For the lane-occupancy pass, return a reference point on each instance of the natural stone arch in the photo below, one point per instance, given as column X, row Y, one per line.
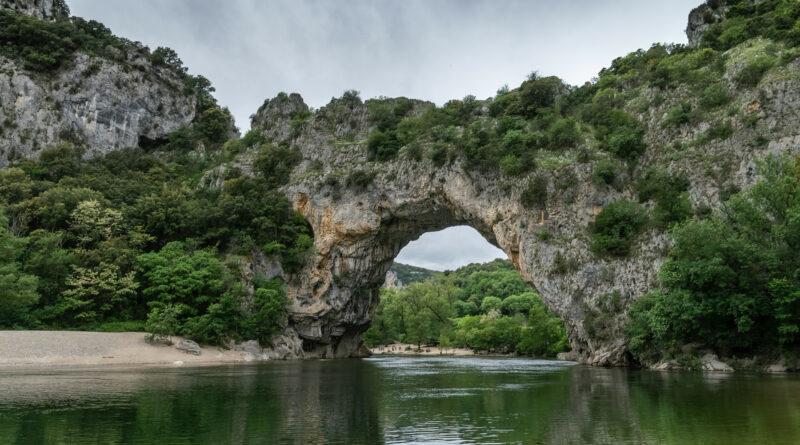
column 361, row 227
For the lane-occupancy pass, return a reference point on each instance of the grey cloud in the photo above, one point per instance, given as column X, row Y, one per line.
column 426, row 49
column 449, row 249
column 435, row 50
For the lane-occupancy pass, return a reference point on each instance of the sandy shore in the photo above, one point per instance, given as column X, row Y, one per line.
column 406, row 349
column 71, row 348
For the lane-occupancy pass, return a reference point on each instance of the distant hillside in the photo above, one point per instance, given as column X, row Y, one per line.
column 400, row 275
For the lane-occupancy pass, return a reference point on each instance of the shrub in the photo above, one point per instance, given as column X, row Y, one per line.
column 616, row 226
column 276, row 163
column 563, row 265
column 438, row 154
column 605, row 172
column 720, row 130
column 627, row 142
column 360, row 179
column 714, row 96
column 564, row 133
column 383, row 145
column 538, row 93
column 679, row 115
column 535, row 194
column 297, row 123
column 212, row 125
column 752, row 73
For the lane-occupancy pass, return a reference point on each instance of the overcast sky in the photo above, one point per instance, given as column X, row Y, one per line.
column 427, row 49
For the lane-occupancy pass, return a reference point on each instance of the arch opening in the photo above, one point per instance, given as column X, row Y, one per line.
column 451, row 292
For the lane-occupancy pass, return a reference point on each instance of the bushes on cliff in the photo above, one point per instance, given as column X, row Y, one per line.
column 275, row 163
column 45, row 46
column 773, row 19
column 78, row 241
column 616, row 226
column 731, row 281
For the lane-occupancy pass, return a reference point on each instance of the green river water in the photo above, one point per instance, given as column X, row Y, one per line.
column 393, row 400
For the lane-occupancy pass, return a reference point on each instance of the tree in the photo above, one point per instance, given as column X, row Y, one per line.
column 17, row 289
column 213, row 124
column 98, row 293
column 519, row 304
column 616, row 227
column 490, row 304
column 270, row 310
column 162, row 323
column 90, row 223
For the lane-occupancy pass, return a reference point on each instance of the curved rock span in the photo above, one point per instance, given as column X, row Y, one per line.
column 363, row 212
column 359, row 229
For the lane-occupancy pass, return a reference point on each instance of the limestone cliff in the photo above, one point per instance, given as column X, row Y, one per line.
column 100, row 103
column 360, row 226
column 42, row 9
column 363, row 212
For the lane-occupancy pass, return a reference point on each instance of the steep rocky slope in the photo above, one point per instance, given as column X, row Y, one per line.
column 365, row 206
column 99, row 102
column 363, row 212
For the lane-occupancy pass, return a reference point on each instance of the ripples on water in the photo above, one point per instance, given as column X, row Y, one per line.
column 397, row 400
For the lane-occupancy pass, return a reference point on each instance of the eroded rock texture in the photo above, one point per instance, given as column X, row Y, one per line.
column 42, row 9
column 95, row 102
column 363, row 212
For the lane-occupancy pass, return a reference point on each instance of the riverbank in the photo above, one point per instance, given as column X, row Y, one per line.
column 407, row 349
column 78, row 348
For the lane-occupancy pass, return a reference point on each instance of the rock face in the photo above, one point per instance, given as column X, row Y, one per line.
column 189, row 347
column 391, row 281
column 42, row 9
column 360, row 226
column 95, row 102
column 100, row 104
column 700, row 19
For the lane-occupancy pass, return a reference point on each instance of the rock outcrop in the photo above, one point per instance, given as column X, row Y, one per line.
column 360, row 226
column 95, row 102
column 701, row 18
column 392, row 281
column 41, row 9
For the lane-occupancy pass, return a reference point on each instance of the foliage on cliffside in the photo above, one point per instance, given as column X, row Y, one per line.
column 480, row 306
column 732, row 281
column 114, row 239
column 43, row 46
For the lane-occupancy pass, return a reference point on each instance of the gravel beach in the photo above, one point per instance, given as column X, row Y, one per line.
column 75, row 348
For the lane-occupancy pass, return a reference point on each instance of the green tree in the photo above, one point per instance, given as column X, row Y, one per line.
column 97, row 293
column 17, row 289
column 616, row 226
column 490, row 304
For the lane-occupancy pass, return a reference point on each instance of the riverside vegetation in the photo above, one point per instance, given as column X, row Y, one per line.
column 133, row 239
column 480, row 306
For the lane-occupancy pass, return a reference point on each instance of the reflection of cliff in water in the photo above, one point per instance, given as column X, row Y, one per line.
column 397, row 400
column 650, row 407
column 300, row 402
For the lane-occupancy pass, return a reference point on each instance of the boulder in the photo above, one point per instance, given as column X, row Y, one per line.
column 189, row 347
column 710, row 362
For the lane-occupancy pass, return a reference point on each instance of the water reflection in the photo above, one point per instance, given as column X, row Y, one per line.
column 397, row 400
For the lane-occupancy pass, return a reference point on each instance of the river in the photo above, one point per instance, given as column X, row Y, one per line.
column 397, row 400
